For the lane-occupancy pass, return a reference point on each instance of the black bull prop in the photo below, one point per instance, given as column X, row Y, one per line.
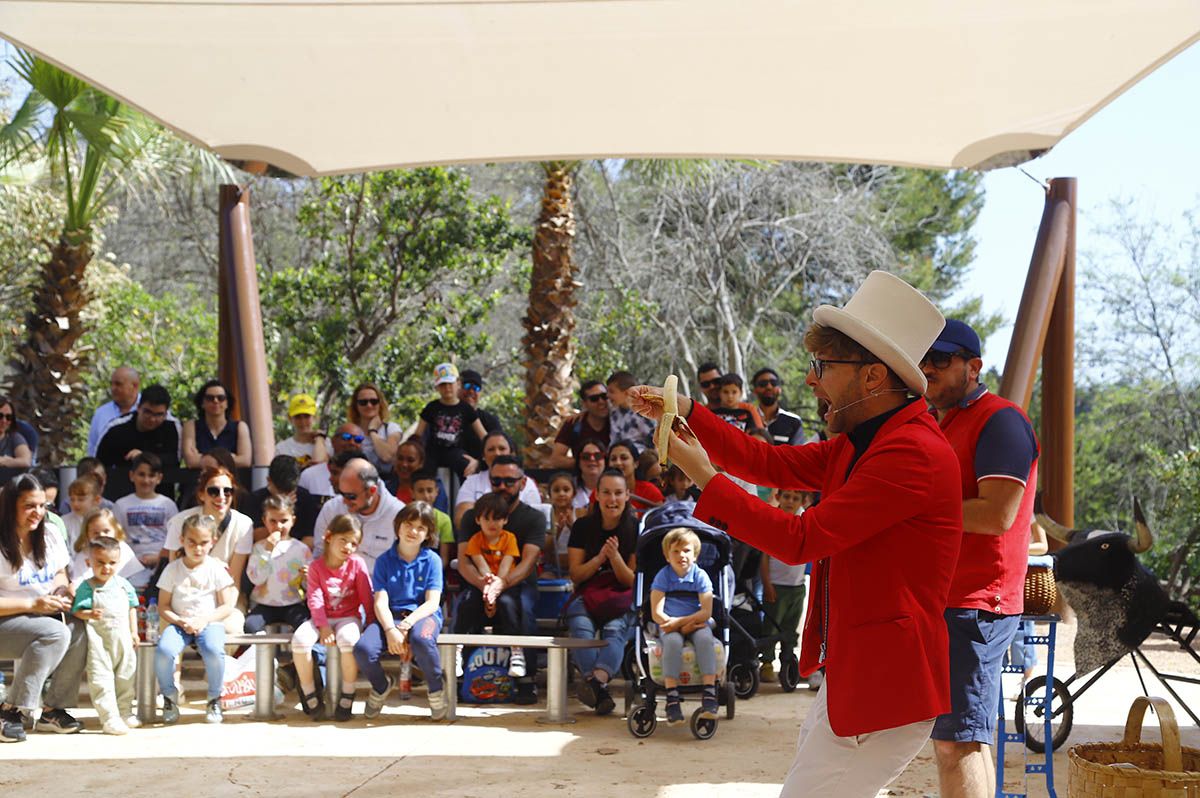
column 1118, row 600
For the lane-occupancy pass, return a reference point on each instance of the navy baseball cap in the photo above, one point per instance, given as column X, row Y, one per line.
column 470, row 375
column 957, row 336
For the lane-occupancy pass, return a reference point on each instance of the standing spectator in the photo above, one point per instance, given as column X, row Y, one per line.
column 495, row 445
column 469, row 389
column 145, row 512
column 623, row 423
column 213, row 427
column 320, row 480
column 307, row 445
column 123, row 387
column 642, row 495
column 445, row 421
column 735, row 411
column 590, row 425
column 602, row 551
column 14, row 449
column 369, row 411
column 147, row 429
column 709, row 377
column 997, row 452
column 33, row 625
column 785, row 428
column 361, row 494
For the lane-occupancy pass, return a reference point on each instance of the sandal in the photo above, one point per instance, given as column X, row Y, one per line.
column 345, row 707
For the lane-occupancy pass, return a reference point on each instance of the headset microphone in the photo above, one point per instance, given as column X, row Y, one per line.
column 871, row 395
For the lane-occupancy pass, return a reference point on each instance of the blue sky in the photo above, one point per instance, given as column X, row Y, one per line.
column 1143, row 147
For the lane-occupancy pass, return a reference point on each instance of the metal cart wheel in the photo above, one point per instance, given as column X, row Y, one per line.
column 642, row 722
column 744, row 678
column 1029, row 715
column 789, row 674
column 702, row 728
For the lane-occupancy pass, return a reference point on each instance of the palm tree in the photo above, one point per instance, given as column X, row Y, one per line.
column 89, row 145
column 549, row 343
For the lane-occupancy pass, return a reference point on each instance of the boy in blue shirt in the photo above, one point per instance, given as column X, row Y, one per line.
column 681, row 598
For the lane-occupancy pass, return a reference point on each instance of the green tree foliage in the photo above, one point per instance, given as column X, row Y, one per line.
column 404, row 272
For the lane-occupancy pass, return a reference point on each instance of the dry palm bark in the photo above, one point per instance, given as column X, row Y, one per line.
column 549, row 342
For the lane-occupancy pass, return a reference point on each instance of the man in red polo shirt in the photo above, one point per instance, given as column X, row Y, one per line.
column 997, row 453
column 884, row 539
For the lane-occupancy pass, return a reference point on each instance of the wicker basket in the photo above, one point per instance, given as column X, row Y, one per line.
column 1133, row 769
column 1040, row 592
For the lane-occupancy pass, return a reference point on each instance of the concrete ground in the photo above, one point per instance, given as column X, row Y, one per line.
column 501, row 751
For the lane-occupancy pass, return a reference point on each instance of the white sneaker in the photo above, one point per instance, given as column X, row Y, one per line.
column 437, row 705
column 516, row 662
column 132, row 721
column 815, row 679
column 116, row 726
column 458, row 670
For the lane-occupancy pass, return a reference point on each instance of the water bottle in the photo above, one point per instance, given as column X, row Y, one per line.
column 152, row 621
column 141, row 617
column 405, row 679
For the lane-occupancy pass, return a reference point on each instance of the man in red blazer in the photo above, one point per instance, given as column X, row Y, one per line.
column 997, row 454
column 884, row 539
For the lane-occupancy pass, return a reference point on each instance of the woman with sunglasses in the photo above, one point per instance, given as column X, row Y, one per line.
column 369, row 410
column 494, row 444
column 216, row 492
column 588, row 468
column 213, row 427
column 14, row 449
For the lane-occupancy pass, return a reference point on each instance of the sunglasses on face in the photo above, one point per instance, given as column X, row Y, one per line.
column 216, row 491
column 365, row 402
column 6, row 416
column 591, row 456
column 713, row 383
column 349, row 496
column 940, row 360
column 471, row 386
column 818, row 364
column 346, row 436
column 597, row 397
column 215, row 397
column 768, row 383
column 507, row 482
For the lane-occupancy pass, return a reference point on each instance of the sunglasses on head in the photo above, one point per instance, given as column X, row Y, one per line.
column 706, row 384
column 348, row 436
column 364, row 402
column 507, row 482
column 216, row 491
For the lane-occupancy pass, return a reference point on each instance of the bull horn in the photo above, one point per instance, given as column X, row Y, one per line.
column 1145, row 538
column 1055, row 529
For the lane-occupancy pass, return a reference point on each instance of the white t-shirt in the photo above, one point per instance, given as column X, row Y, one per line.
column 194, row 590
column 583, row 498
column 303, row 452
column 315, row 480
column 238, row 537
column 73, row 523
column 145, row 521
column 480, row 483
column 368, row 446
column 128, row 566
column 29, row 581
column 379, row 532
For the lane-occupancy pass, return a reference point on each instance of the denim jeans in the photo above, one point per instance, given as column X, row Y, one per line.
column 211, row 645
column 423, row 640
column 614, row 634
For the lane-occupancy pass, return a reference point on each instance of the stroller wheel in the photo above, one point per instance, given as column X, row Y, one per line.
column 729, row 698
column 789, row 674
column 703, row 728
column 642, row 722
column 744, row 678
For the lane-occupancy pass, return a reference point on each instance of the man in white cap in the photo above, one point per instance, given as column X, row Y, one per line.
column 884, row 539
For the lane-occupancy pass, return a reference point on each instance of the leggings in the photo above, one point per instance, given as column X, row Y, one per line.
column 702, row 642
column 423, row 640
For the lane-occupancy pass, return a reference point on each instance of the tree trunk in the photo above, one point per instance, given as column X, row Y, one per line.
column 48, row 386
column 550, row 321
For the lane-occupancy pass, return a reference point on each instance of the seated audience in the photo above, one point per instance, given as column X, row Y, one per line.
column 145, row 512
column 307, row 444
column 15, row 451
column 590, row 425
column 369, row 411
column 213, row 427
column 494, row 445
column 147, row 429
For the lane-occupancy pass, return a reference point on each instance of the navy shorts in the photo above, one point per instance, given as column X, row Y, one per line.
column 978, row 642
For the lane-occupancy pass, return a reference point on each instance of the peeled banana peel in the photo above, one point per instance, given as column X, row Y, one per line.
column 662, row 436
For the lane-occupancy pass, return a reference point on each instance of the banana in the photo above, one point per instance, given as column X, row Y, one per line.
column 670, row 411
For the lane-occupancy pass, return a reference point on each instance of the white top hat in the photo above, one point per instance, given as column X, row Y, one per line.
column 892, row 320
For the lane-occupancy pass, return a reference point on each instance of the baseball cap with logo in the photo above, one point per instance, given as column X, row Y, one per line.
column 445, row 372
column 302, row 405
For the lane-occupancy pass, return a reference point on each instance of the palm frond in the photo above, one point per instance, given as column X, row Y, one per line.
column 19, row 137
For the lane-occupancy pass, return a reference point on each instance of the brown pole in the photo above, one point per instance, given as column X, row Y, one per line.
column 1033, row 315
column 247, row 356
column 226, row 306
column 1058, row 378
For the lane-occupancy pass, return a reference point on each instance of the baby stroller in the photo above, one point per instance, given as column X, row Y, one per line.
column 642, row 689
column 752, row 629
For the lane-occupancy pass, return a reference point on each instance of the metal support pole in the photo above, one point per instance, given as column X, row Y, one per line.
column 556, row 687
column 264, row 682
column 333, row 678
column 146, row 688
column 449, row 679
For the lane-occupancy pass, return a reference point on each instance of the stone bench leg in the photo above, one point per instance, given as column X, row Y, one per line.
column 449, row 680
column 146, row 688
column 264, row 682
column 556, row 687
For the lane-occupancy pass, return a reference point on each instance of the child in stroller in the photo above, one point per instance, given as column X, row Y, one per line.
column 649, row 664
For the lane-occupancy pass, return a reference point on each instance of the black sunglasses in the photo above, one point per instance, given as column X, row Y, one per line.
column 940, row 360
column 767, row 383
column 349, row 496
column 215, row 397
column 597, row 397
column 216, row 490
column 507, row 482
column 347, row 436
column 706, row 384
column 7, row 416
column 364, row 402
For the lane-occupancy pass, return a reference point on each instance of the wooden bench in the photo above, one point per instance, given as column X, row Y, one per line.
column 556, row 666
column 264, row 675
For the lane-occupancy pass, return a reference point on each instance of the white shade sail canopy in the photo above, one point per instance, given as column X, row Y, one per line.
column 327, row 87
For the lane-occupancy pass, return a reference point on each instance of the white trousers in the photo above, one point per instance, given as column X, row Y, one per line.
column 849, row 767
